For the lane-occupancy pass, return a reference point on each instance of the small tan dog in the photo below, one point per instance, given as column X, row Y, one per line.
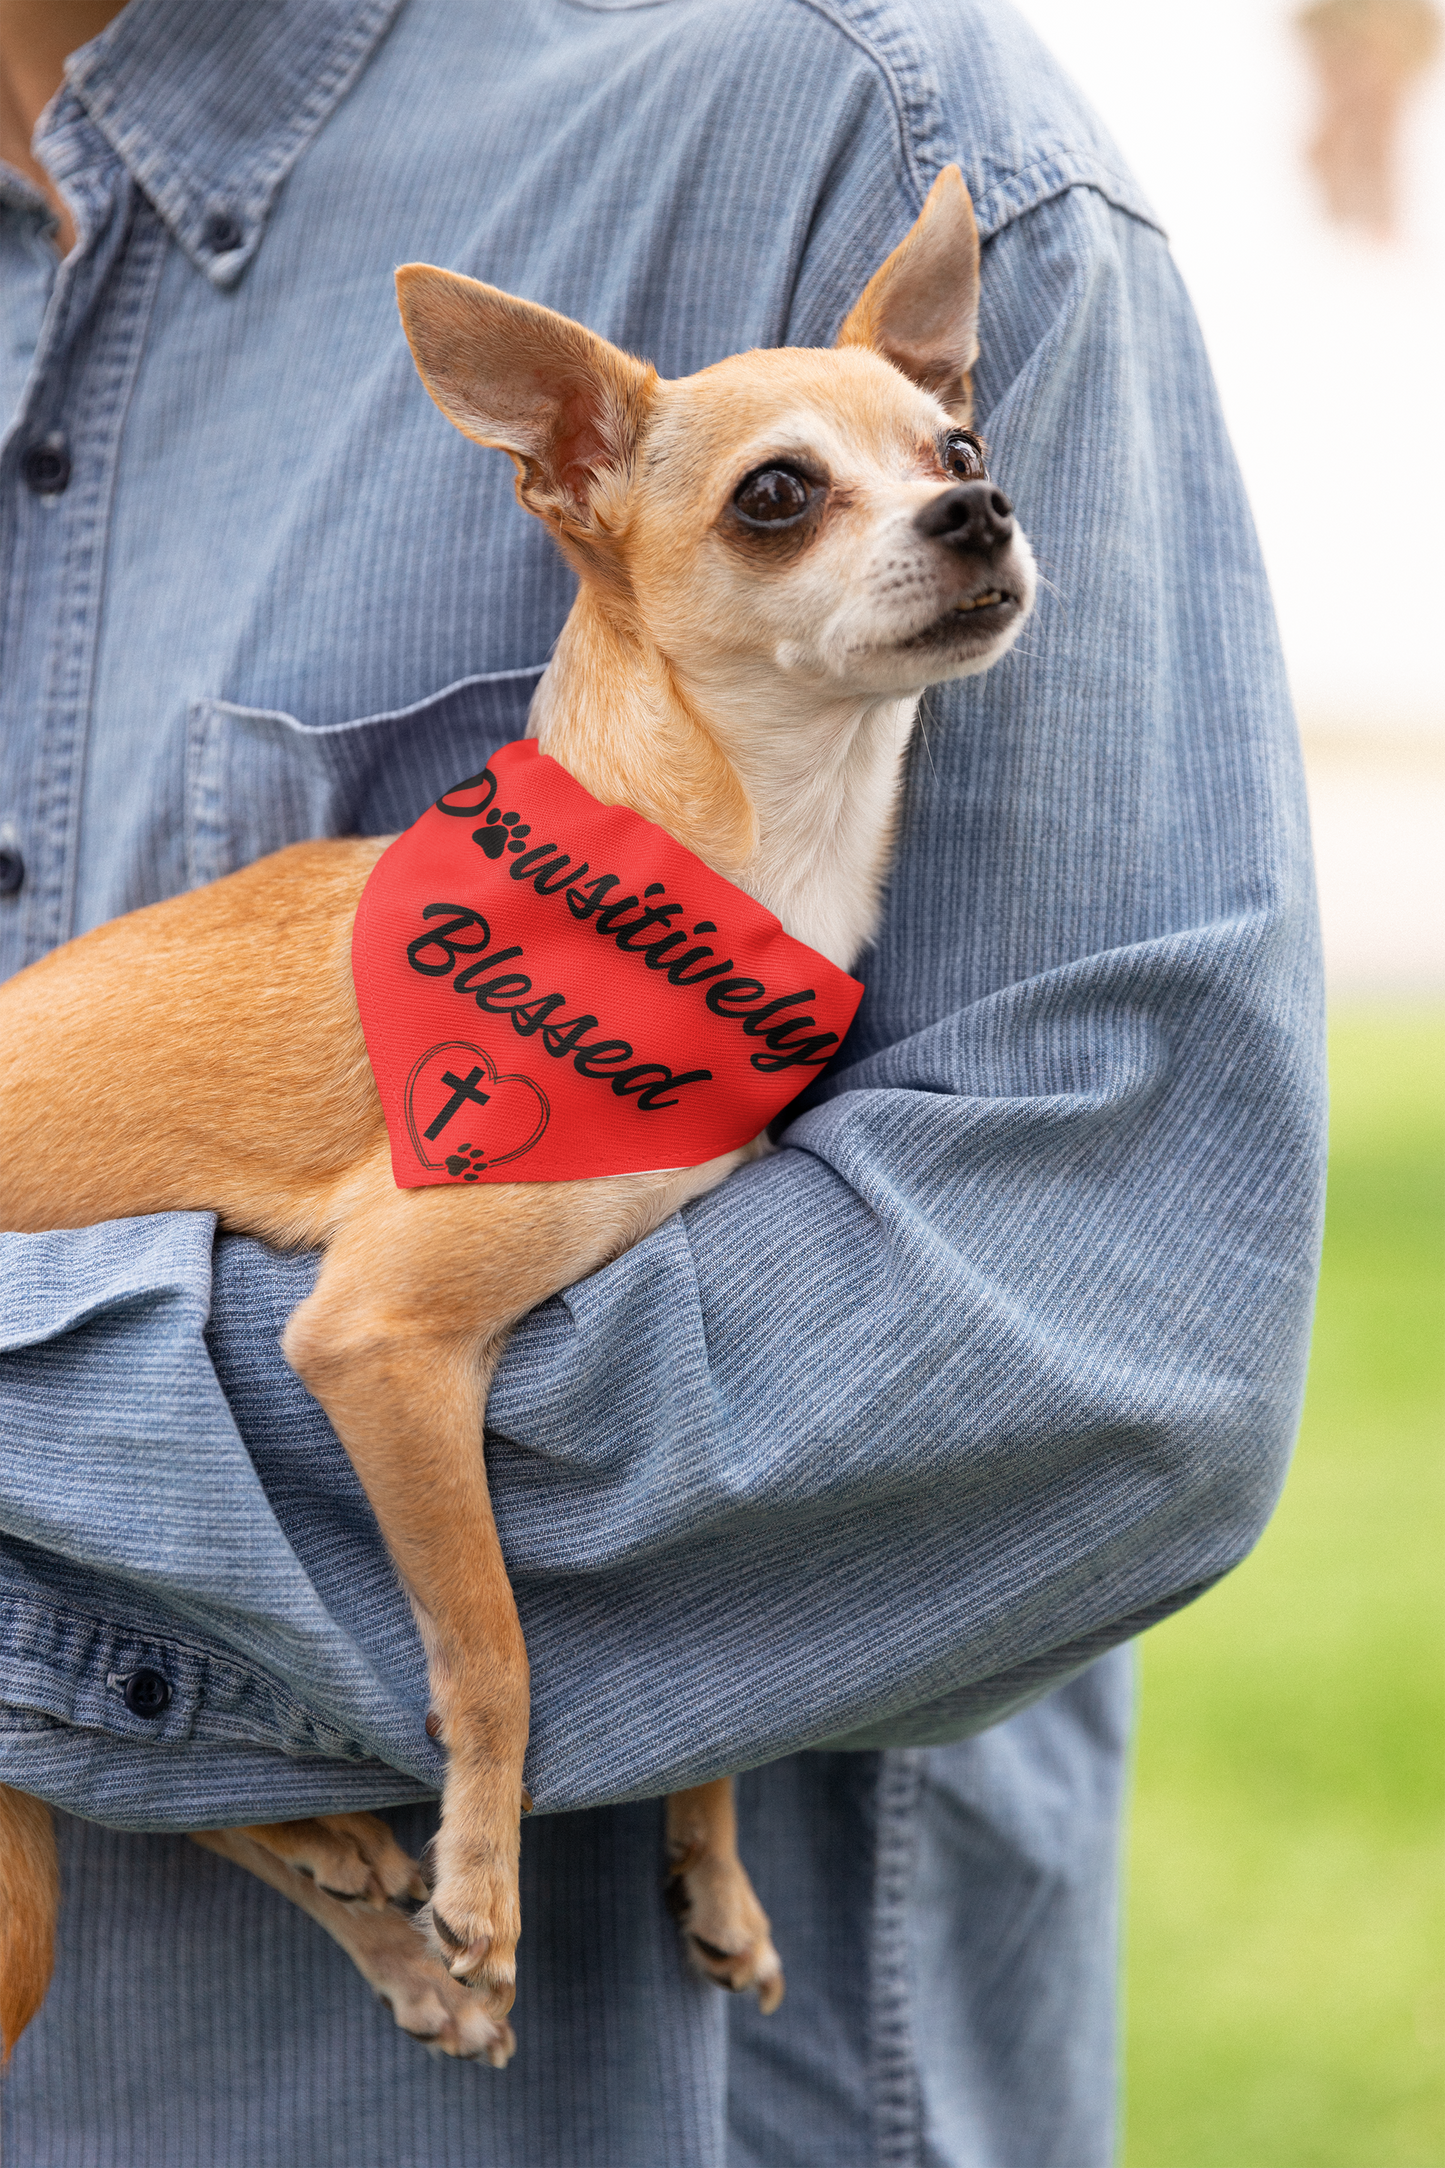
column 776, row 557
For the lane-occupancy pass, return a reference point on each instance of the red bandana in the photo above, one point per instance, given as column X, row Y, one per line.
column 636, row 1010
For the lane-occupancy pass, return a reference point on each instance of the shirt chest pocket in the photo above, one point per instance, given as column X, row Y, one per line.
column 257, row 779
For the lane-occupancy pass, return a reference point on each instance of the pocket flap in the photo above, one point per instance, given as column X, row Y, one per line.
column 257, row 779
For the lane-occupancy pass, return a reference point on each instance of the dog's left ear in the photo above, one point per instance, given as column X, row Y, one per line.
column 567, row 405
column 920, row 308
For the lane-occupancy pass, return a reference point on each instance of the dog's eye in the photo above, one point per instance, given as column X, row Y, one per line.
column 963, row 455
column 773, row 497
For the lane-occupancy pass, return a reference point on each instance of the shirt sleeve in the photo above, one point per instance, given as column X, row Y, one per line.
column 1000, row 1358
column 995, row 1361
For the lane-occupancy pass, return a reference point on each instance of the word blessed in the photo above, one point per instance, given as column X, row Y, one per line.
column 606, row 972
column 505, row 993
column 791, row 1042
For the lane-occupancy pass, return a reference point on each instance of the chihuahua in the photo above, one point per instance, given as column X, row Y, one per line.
column 776, row 557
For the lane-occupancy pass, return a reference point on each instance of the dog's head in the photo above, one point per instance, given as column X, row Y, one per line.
column 823, row 517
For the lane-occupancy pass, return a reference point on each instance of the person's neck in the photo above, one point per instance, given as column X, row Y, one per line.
column 36, row 38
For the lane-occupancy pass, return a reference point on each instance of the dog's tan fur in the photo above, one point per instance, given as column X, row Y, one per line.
column 755, row 698
column 29, row 1901
column 350, row 1874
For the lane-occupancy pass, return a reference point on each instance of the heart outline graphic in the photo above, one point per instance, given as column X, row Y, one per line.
column 475, row 1159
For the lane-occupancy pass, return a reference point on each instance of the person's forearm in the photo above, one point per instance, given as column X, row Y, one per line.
column 138, row 1536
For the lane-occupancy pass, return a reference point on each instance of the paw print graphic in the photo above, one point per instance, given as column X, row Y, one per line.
column 465, row 1162
column 501, row 832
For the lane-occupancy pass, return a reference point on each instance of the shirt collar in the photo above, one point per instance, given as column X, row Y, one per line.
column 210, row 105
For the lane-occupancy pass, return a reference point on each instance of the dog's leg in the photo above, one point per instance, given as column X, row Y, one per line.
column 29, row 1905
column 398, row 1340
column 382, row 1943
column 726, row 1930
column 393, row 1341
column 408, row 1408
column 350, row 1856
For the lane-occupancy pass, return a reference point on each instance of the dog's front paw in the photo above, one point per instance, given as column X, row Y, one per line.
column 473, row 1922
column 725, row 1930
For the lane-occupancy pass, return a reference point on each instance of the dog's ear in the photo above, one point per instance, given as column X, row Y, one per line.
column 566, row 405
column 920, row 308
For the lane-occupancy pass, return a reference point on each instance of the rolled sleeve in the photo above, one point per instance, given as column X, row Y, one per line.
column 139, row 1538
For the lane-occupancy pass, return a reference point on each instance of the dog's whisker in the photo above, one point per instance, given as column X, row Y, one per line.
column 923, row 732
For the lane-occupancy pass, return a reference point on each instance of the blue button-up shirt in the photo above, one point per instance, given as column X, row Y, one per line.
column 999, row 1359
column 1001, row 1356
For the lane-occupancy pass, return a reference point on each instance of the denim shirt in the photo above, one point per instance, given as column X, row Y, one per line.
column 1000, row 1357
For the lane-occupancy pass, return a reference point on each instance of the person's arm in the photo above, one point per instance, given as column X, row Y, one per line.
column 1000, row 1357
column 138, row 1535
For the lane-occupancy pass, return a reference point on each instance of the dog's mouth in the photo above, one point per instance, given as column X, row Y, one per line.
column 978, row 616
column 991, row 599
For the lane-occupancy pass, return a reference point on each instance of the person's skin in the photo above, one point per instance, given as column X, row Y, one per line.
column 35, row 37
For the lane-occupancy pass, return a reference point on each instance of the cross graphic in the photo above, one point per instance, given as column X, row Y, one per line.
column 463, row 1089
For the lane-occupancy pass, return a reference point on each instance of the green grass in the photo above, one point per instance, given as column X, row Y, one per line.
column 1286, row 1951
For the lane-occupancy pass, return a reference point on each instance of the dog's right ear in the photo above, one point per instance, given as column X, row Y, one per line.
column 568, row 406
column 920, row 308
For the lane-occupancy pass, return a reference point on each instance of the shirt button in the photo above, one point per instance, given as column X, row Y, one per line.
column 147, row 1693
column 222, row 233
column 46, row 468
column 12, row 871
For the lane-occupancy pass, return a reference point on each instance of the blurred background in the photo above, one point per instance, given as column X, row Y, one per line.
column 1286, row 1945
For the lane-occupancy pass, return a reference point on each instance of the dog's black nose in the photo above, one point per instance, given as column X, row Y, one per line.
column 975, row 517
